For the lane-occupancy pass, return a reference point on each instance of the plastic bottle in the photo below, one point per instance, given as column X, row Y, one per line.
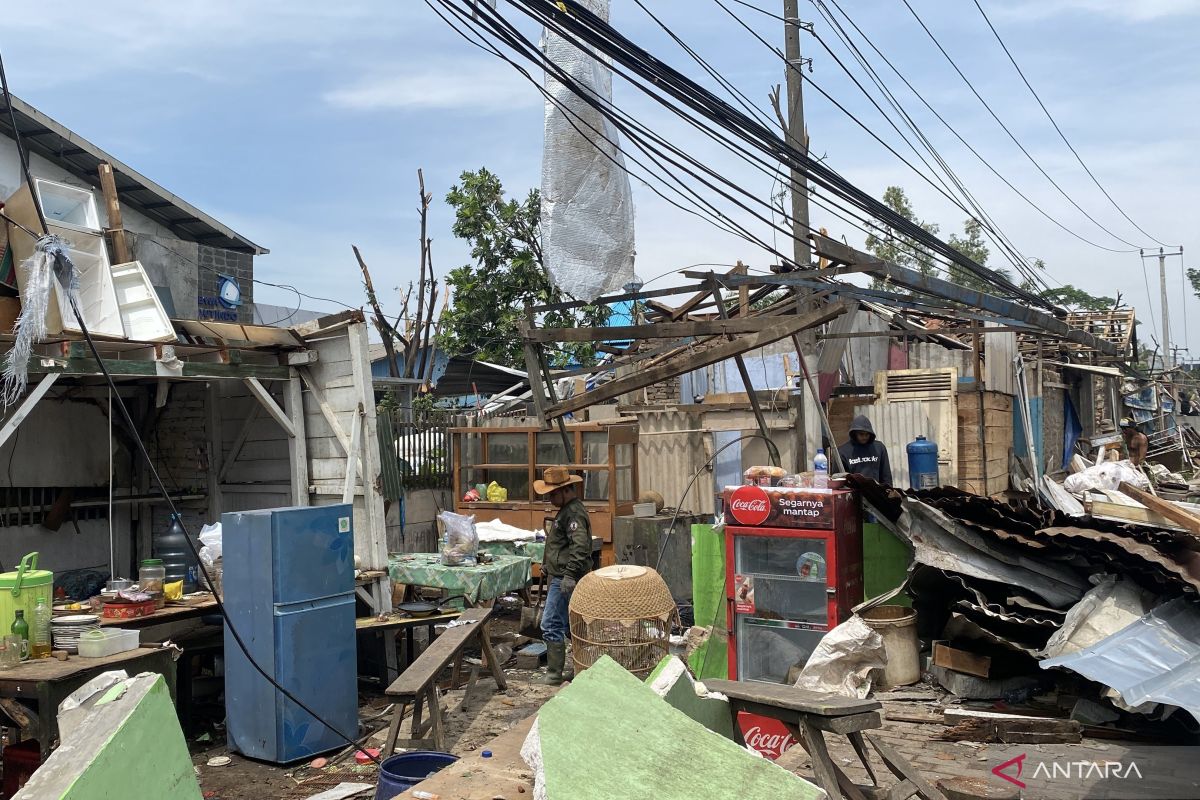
column 821, row 470
column 21, row 628
column 39, row 645
column 178, row 559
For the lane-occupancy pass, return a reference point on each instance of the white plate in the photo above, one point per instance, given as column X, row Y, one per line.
column 76, row 619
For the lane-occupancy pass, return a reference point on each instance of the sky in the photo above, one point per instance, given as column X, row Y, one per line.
column 302, row 124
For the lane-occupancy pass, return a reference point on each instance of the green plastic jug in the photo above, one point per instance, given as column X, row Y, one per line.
column 21, row 589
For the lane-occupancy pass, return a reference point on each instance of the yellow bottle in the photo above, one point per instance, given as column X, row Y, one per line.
column 39, row 641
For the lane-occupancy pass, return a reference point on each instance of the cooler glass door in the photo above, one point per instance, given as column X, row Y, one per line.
column 781, row 602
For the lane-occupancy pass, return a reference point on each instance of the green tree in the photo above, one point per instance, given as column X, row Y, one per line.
column 1194, row 279
column 490, row 295
column 1070, row 297
column 972, row 245
column 893, row 246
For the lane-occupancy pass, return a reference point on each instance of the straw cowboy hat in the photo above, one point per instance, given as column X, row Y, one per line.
column 555, row 478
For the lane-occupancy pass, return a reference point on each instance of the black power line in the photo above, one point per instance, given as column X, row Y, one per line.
column 1011, row 135
column 1054, row 122
column 711, row 114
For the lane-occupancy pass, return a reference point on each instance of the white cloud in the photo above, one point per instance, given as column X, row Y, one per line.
column 1137, row 11
column 470, row 86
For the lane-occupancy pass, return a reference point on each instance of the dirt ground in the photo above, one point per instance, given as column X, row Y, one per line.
column 488, row 714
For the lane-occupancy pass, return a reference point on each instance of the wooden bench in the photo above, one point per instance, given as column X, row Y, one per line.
column 808, row 716
column 417, row 685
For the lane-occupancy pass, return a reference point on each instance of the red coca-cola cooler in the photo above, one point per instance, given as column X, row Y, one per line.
column 794, row 571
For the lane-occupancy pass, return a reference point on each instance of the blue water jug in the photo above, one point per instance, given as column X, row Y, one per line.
column 923, row 464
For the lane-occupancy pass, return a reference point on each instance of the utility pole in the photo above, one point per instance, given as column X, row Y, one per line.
column 1168, row 356
column 794, row 134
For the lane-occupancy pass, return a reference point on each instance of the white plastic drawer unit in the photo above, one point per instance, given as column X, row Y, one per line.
column 68, row 205
column 142, row 314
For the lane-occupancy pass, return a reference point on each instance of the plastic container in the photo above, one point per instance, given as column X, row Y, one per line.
column 151, row 576
column 177, row 555
column 108, row 641
column 400, row 773
column 898, row 627
column 39, row 634
column 922, row 464
column 821, row 470
column 21, row 590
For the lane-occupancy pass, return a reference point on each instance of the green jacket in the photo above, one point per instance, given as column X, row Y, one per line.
column 569, row 542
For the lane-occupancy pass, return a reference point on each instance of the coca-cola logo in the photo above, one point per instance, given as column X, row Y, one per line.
column 749, row 505
column 767, row 736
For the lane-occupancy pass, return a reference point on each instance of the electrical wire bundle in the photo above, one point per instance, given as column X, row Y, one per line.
column 746, row 137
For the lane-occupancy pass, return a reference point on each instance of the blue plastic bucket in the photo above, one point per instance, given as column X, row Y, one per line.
column 400, row 773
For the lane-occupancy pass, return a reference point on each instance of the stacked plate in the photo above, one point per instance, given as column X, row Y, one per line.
column 68, row 629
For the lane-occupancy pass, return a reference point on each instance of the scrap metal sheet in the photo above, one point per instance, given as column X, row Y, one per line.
column 1156, row 659
column 940, row 541
column 1187, row 571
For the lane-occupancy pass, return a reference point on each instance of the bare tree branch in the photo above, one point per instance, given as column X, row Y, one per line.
column 386, row 331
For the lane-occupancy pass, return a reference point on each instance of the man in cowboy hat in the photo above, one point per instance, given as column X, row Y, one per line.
column 568, row 558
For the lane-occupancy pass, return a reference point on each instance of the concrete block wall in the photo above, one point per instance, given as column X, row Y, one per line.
column 663, row 393
column 180, row 450
column 215, row 262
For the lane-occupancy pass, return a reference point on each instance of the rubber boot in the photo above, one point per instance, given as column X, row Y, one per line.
column 556, row 653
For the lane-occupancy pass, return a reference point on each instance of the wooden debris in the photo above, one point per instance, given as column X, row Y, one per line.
column 961, row 661
column 964, row 788
column 989, row 726
column 1185, row 519
column 1135, row 514
column 914, row 716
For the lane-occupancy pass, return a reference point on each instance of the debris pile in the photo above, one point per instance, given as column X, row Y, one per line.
column 1012, row 595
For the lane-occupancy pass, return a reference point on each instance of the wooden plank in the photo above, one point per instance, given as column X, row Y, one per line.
column 659, row 330
column 268, row 402
column 372, row 547
column 904, row 770
column 326, row 409
column 23, row 410
column 127, row 368
column 1165, row 508
column 439, row 654
column 217, row 467
column 298, row 444
column 792, row 699
column 961, row 661
column 239, row 442
column 986, row 726
column 1120, row 512
column 355, row 442
column 108, row 187
column 783, row 328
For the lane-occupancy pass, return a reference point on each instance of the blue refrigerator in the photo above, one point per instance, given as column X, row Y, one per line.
column 289, row 592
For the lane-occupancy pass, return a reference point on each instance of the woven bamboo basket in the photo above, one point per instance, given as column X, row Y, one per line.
column 625, row 612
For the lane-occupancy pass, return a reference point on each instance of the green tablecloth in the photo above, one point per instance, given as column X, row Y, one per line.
column 483, row 582
column 532, row 550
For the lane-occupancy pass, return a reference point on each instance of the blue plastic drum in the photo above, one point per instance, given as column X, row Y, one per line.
column 400, row 773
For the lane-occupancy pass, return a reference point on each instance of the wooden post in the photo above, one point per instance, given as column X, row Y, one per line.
column 977, row 353
column 298, row 444
column 108, row 186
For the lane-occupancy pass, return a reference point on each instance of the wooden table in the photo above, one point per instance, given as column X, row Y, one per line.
column 47, row 682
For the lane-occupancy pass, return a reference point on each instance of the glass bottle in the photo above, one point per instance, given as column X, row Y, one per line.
column 40, row 645
column 21, row 628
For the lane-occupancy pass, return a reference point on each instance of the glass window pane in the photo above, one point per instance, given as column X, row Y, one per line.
column 788, row 574
column 766, row 651
column 515, row 481
column 624, row 455
column 625, row 485
column 508, row 448
column 550, row 449
column 595, row 448
column 595, row 485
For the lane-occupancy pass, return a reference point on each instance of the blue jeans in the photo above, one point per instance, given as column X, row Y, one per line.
column 555, row 623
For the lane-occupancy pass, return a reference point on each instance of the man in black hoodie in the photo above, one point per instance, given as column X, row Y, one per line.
column 864, row 455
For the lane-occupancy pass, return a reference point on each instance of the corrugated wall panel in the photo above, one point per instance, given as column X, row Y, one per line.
column 998, row 352
column 898, row 422
column 670, row 452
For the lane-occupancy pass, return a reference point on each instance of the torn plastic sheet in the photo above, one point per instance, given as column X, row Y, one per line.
column 940, row 541
column 845, row 660
column 1155, row 659
column 587, row 205
column 1106, row 609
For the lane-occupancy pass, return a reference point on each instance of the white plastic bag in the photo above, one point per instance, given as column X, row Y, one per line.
column 845, row 660
column 461, row 540
column 210, row 538
column 1107, row 476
